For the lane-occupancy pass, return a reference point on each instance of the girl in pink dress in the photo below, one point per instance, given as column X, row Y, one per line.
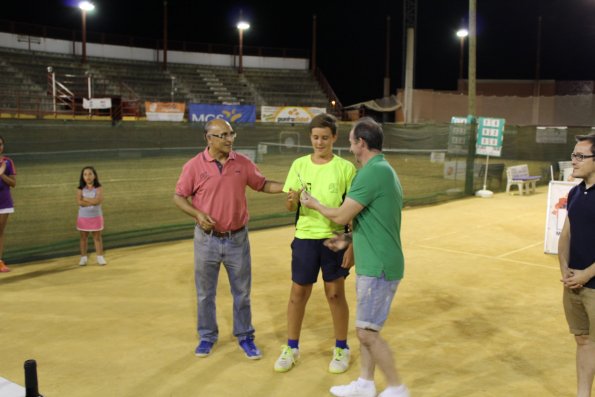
column 8, row 180
column 90, row 216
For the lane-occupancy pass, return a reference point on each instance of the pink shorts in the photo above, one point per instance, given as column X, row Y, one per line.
column 94, row 224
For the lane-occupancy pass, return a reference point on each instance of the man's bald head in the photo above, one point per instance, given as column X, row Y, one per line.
column 219, row 125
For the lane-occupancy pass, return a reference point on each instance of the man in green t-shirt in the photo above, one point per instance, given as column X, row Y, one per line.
column 373, row 205
column 328, row 177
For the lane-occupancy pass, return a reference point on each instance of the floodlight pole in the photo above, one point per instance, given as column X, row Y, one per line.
column 241, row 67
column 472, row 56
column 242, row 25
column 84, row 38
column 537, row 83
column 471, row 97
column 165, row 35
column 387, row 60
column 85, row 6
column 409, row 28
column 313, row 62
column 462, row 33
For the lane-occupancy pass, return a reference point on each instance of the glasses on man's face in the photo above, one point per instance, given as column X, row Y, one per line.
column 225, row 136
column 580, row 157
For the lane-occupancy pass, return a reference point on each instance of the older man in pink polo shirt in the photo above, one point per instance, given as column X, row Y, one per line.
column 212, row 190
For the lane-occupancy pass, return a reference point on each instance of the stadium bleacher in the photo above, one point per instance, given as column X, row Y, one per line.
column 24, row 78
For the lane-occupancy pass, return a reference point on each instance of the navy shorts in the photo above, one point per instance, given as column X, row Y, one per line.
column 309, row 256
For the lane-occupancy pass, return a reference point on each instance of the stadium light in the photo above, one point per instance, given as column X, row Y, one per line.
column 462, row 34
column 85, row 6
column 242, row 25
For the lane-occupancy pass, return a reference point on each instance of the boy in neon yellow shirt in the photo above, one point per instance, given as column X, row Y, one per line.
column 328, row 177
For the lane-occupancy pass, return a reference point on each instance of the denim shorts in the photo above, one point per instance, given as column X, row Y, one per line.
column 374, row 297
column 308, row 257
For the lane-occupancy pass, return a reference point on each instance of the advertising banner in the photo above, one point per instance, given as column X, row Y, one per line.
column 201, row 113
column 289, row 114
column 551, row 135
column 165, row 111
column 97, row 103
column 557, row 197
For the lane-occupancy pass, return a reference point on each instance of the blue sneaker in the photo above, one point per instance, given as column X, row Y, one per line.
column 250, row 349
column 204, row 348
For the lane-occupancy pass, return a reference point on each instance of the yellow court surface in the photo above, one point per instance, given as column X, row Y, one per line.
column 478, row 314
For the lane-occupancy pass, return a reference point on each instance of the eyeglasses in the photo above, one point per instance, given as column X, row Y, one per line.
column 580, row 157
column 231, row 136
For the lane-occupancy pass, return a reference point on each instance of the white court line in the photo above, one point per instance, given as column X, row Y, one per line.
column 474, row 227
column 486, row 256
column 520, row 249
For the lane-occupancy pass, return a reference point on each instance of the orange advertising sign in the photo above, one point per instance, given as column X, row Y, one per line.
column 165, row 111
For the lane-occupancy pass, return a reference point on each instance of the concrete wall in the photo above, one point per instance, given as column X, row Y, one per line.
column 565, row 110
column 34, row 43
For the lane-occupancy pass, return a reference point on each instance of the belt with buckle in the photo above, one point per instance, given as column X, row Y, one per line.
column 227, row 234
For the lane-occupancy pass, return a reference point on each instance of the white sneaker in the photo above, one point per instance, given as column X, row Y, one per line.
column 101, row 260
column 400, row 391
column 340, row 361
column 287, row 359
column 354, row 389
column 83, row 261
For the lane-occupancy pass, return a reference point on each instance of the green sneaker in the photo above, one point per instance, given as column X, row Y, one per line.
column 340, row 361
column 287, row 359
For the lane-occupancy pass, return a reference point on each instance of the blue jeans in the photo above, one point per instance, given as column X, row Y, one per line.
column 209, row 253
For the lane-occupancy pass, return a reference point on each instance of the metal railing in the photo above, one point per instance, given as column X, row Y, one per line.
column 335, row 103
column 27, row 106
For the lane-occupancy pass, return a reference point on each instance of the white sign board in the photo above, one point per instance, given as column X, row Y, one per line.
column 551, row 135
column 557, row 197
column 437, row 157
column 97, row 103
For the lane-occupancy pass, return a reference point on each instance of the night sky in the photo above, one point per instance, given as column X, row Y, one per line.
column 352, row 35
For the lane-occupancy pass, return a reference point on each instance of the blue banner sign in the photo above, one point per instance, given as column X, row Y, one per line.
column 201, row 113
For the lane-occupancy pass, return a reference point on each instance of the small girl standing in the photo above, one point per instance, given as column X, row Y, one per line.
column 90, row 217
column 7, row 181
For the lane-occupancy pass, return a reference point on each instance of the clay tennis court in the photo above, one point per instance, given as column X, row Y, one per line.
column 478, row 314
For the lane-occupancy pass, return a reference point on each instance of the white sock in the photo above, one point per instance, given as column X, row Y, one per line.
column 396, row 390
column 365, row 383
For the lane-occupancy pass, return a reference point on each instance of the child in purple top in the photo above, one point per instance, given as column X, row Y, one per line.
column 90, row 216
column 7, row 181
